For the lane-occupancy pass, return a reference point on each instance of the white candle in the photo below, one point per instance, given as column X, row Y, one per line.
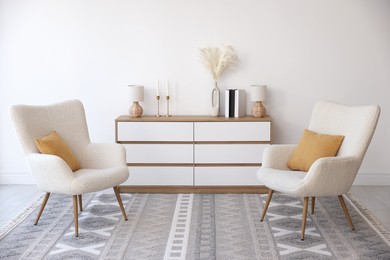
column 167, row 85
column 157, row 89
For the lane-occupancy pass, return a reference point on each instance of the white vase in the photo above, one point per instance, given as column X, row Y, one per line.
column 215, row 100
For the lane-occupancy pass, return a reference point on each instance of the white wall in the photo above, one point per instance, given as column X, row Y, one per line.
column 304, row 50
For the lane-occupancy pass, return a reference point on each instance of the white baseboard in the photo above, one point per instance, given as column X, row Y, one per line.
column 16, row 178
column 364, row 179
column 371, row 179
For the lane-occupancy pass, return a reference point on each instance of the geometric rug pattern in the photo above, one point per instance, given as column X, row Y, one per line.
column 195, row 226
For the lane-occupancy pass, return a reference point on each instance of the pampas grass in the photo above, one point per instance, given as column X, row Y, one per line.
column 217, row 60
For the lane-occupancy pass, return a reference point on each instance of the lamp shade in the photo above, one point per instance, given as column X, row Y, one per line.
column 258, row 92
column 136, row 93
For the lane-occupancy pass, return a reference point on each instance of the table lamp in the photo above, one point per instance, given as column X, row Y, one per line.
column 136, row 95
column 258, row 93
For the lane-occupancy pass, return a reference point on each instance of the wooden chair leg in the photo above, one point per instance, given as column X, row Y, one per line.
column 342, row 202
column 76, row 216
column 80, row 202
column 269, row 197
column 42, row 207
column 304, row 216
column 313, row 202
column 118, row 197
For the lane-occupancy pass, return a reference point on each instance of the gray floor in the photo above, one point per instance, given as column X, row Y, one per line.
column 376, row 199
column 14, row 198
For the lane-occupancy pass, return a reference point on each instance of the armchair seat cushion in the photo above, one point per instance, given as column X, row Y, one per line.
column 92, row 180
column 290, row 182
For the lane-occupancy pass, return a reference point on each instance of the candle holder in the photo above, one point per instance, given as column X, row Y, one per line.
column 158, row 106
column 167, row 115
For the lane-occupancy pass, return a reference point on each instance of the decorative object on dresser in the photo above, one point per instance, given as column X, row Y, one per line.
column 193, row 153
column 103, row 166
column 168, row 98
column 136, row 95
column 327, row 176
column 217, row 60
column 158, row 97
column 235, row 102
column 258, row 94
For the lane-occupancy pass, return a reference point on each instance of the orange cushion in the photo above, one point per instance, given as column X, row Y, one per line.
column 53, row 144
column 312, row 147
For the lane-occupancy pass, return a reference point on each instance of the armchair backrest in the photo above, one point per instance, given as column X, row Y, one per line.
column 356, row 123
column 67, row 118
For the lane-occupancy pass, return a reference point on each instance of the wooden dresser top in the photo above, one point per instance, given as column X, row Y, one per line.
column 127, row 118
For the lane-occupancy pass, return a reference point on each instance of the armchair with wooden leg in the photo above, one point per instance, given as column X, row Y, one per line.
column 328, row 176
column 101, row 166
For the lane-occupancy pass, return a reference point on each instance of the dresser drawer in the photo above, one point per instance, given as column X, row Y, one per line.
column 160, row 176
column 155, row 131
column 232, row 131
column 229, row 153
column 230, row 176
column 159, row 153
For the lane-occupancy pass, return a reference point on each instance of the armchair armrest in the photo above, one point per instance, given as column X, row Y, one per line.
column 51, row 172
column 99, row 156
column 277, row 156
column 331, row 175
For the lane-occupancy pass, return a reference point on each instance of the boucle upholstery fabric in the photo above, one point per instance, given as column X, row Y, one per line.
column 102, row 165
column 331, row 175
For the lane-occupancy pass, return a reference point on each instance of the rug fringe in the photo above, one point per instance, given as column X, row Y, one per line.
column 21, row 216
column 376, row 224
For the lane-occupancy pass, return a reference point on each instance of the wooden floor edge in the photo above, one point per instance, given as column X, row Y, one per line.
column 192, row 189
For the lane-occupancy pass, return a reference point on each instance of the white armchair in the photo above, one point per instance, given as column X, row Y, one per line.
column 327, row 176
column 102, row 165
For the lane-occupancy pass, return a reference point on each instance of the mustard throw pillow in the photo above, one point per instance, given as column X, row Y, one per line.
column 53, row 144
column 313, row 146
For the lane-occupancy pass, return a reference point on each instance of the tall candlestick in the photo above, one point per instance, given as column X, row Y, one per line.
column 157, row 89
column 167, row 115
column 158, row 106
column 167, row 86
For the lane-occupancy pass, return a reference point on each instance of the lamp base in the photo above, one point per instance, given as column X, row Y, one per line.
column 258, row 109
column 136, row 110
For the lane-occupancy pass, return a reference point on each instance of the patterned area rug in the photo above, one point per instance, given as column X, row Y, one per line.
column 200, row 226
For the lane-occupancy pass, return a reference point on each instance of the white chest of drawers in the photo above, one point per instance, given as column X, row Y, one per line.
column 193, row 153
